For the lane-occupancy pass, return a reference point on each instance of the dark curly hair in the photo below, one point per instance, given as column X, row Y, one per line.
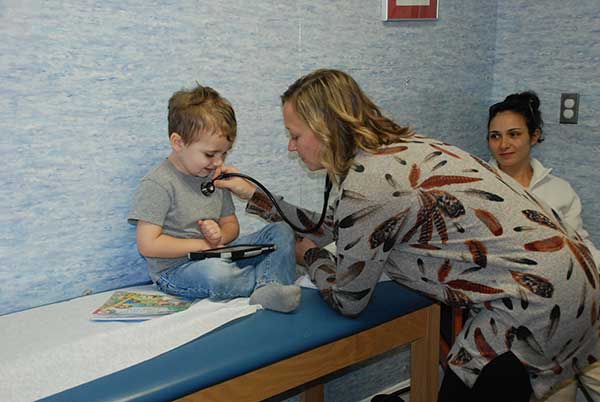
column 527, row 104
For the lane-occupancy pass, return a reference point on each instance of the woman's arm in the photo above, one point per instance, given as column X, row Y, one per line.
column 347, row 279
column 571, row 210
column 572, row 216
column 262, row 206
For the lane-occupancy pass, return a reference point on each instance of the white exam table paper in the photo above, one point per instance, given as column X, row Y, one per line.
column 52, row 348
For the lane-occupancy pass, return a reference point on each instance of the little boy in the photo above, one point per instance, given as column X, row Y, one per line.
column 174, row 218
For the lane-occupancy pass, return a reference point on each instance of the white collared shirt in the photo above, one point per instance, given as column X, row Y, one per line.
column 561, row 197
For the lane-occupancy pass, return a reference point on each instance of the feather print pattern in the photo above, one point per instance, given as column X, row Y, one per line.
column 352, row 244
column 413, row 177
column 539, row 218
column 473, row 287
column 524, row 261
column 462, row 357
column 391, row 150
column 524, row 299
column 307, row 222
column 525, row 335
column 553, row 243
column 439, row 165
column 582, row 297
column 387, row 232
column 484, row 195
column 478, row 252
column 351, row 273
column 490, row 221
column 432, row 155
column 457, row 298
column 439, row 181
column 445, row 151
column 263, row 206
column 447, row 203
column 535, row 283
column 399, row 160
column 493, row 326
column 586, row 264
column 456, row 229
column 483, row 346
column 352, row 219
column 353, row 195
column 444, row 270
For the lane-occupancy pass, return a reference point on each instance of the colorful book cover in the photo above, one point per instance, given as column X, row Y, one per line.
column 139, row 306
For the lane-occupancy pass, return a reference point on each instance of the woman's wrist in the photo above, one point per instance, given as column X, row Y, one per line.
column 311, row 255
column 250, row 193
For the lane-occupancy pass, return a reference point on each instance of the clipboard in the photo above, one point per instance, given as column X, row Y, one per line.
column 233, row 253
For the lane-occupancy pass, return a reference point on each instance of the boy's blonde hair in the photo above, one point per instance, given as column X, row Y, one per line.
column 201, row 110
column 342, row 117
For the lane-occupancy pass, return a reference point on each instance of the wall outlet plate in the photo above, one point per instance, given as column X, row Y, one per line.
column 569, row 108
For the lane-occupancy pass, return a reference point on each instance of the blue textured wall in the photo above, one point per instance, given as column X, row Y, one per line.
column 84, row 88
column 83, row 110
column 554, row 47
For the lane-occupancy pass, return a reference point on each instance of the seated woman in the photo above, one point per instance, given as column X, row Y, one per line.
column 514, row 127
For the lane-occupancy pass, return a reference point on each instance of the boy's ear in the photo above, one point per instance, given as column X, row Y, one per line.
column 176, row 142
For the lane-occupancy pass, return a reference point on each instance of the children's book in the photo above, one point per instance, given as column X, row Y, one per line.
column 139, row 306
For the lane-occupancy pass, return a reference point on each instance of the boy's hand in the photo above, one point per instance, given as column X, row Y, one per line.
column 238, row 186
column 211, row 232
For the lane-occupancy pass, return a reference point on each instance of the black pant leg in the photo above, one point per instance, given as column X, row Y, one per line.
column 453, row 389
column 503, row 379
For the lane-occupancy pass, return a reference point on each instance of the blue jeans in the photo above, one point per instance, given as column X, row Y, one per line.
column 219, row 279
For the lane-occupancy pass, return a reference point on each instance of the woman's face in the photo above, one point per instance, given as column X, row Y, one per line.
column 302, row 139
column 509, row 140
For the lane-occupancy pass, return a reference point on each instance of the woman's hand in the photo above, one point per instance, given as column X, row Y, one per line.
column 238, row 186
column 302, row 246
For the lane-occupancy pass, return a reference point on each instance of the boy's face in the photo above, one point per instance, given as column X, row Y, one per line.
column 201, row 157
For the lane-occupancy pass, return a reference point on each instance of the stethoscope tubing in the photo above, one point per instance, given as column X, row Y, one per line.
column 312, row 229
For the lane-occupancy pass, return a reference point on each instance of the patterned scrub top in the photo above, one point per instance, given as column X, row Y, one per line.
column 445, row 223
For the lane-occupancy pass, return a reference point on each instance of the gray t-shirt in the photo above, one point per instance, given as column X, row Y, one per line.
column 168, row 198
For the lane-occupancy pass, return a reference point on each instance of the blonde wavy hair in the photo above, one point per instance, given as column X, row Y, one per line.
column 201, row 110
column 342, row 117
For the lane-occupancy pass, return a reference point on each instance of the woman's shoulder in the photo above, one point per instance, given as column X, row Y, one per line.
column 555, row 191
column 544, row 180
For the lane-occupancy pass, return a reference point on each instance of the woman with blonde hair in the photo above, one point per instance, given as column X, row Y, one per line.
column 445, row 223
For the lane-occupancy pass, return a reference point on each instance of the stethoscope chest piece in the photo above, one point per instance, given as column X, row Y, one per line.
column 207, row 188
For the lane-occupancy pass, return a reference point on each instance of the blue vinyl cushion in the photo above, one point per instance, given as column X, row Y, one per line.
column 242, row 346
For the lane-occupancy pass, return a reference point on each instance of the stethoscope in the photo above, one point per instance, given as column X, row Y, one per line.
column 208, row 188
